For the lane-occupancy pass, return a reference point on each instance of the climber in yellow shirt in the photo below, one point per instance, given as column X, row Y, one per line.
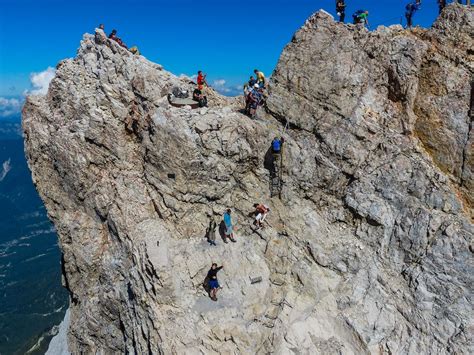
column 260, row 78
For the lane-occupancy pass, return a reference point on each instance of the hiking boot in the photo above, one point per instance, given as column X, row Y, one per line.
column 233, row 240
column 226, row 241
column 214, row 298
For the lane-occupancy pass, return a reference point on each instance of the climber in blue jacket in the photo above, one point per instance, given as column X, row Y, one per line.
column 411, row 8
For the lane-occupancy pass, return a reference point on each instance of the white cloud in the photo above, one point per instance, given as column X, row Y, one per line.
column 221, row 86
column 9, row 107
column 40, row 81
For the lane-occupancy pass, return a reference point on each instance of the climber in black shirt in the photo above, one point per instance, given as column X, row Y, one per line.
column 341, row 10
column 199, row 97
column 212, row 281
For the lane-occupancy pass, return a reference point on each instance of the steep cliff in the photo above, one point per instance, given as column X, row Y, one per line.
column 369, row 249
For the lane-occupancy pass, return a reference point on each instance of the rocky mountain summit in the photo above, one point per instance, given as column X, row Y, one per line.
column 369, row 249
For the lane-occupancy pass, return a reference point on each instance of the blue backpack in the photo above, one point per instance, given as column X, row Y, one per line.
column 276, row 145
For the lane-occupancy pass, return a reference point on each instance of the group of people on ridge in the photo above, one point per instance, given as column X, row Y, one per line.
column 362, row 16
column 253, row 92
column 113, row 36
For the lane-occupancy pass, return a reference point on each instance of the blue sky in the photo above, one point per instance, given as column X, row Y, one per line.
column 227, row 39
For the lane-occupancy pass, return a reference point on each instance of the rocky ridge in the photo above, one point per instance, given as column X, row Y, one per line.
column 368, row 251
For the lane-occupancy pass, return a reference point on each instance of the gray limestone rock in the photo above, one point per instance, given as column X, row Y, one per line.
column 369, row 250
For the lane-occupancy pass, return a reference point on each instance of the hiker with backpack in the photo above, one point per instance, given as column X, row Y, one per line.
column 361, row 16
column 213, row 283
column 341, row 10
column 249, row 85
column 411, row 8
column 211, row 232
column 261, row 212
column 254, row 99
column 276, row 145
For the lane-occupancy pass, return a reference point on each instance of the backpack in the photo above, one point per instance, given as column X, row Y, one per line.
column 276, row 145
column 357, row 14
column 179, row 93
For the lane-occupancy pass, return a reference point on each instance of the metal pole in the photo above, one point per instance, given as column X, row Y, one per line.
column 280, row 187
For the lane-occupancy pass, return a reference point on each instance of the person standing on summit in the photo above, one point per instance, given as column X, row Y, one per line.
column 341, row 10
column 411, row 8
column 201, row 80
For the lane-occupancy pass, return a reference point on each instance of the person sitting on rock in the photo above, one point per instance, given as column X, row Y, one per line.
column 134, row 50
column 229, row 233
column 201, row 80
column 213, row 282
column 361, row 16
column 113, row 36
column 261, row 212
column 199, row 97
column 260, row 78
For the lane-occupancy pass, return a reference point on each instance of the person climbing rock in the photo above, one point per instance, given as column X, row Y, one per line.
column 229, row 233
column 261, row 212
column 199, row 97
column 213, row 282
column 411, row 8
column 260, row 78
column 276, row 145
column 201, row 80
column 361, row 16
column 341, row 10
column 276, row 151
column 254, row 99
column 211, row 232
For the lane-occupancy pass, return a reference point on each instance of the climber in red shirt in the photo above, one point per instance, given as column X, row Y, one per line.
column 261, row 212
column 113, row 36
column 201, row 80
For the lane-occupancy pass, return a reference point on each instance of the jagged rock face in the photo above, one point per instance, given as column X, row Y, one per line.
column 368, row 251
